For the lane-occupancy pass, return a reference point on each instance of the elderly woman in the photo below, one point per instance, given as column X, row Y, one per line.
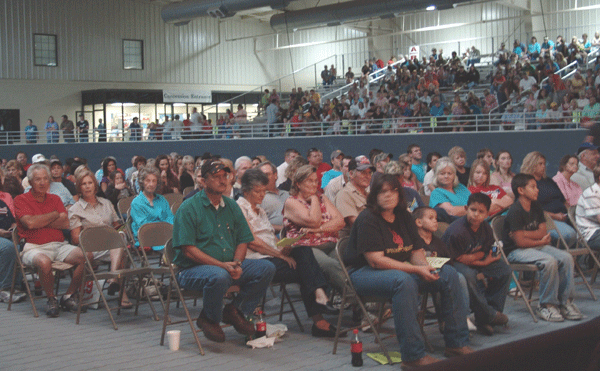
column 550, row 196
column 149, row 206
column 313, row 218
column 479, row 182
column 449, row 195
column 568, row 166
column 93, row 211
column 386, row 258
column 186, row 173
column 297, row 265
column 169, row 181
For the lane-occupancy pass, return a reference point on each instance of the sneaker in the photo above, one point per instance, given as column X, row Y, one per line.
column 4, row 296
column 53, row 310
column 70, row 304
column 471, row 325
column 570, row 311
column 549, row 313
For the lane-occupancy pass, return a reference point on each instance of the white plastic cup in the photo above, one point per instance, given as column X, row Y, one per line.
column 174, row 337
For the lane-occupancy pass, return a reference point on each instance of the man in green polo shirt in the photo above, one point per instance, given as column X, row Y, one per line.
column 210, row 236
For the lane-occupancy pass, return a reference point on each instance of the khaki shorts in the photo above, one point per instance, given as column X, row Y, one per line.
column 56, row 251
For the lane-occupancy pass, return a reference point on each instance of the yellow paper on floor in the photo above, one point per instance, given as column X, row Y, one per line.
column 382, row 359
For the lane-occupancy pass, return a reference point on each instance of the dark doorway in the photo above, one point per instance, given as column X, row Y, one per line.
column 10, row 127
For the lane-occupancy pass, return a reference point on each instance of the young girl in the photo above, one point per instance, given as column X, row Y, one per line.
column 503, row 175
column 479, row 181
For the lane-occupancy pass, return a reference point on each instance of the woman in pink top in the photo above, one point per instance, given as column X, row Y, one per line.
column 568, row 166
column 313, row 218
column 503, row 175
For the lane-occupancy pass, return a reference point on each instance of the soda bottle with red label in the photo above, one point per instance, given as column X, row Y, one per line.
column 261, row 326
column 356, row 349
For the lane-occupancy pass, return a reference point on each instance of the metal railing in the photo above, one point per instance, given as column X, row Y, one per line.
column 389, row 126
column 373, row 77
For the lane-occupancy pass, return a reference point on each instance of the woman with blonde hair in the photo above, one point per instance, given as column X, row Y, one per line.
column 449, row 194
column 186, row 173
column 550, row 197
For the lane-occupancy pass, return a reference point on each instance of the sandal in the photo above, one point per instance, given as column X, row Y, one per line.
column 126, row 305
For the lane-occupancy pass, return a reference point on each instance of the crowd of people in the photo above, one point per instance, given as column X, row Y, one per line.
column 395, row 212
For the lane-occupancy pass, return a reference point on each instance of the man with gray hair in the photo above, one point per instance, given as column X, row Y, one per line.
column 274, row 198
column 588, row 160
column 41, row 217
column 241, row 165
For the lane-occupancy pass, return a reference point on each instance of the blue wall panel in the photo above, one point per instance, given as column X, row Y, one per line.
column 553, row 144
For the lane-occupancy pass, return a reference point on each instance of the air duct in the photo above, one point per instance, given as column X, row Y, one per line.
column 352, row 11
column 183, row 12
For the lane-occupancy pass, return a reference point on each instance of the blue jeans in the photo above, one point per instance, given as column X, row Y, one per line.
column 7, row 264
column 556, row 271
column 403, row 289
column 568, row 233
column 594, row 241
column 214, row 282
column 486, row 302
column 307, row 274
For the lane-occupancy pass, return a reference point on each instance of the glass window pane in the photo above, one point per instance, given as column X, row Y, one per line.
column 133, row 57
column 44, row 50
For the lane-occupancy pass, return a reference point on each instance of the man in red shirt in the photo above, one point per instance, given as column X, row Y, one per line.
column 41, row 217
column 315, row 158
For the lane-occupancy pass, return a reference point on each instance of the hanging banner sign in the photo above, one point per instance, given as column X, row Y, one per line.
column 189, row 96
column 413, row 52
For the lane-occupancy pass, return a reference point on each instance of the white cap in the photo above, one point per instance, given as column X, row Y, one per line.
column 38, row 158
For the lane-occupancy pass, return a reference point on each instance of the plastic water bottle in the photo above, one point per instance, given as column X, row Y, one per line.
column 356, row 349
column 261, row 326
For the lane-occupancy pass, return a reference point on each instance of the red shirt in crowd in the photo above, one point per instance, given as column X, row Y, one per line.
column 26, row 204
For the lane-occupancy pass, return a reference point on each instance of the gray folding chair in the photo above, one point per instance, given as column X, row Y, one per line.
column 498, row 229
column 187, row 190
column 175, row 207
column 575, row 252
column 124, row 205
column 349, row 293
column 58, row 269
column 103, row 238
column 172, row 198
column 582, row 243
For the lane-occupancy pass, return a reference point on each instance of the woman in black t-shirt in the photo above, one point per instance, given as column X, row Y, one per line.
column 386, row 258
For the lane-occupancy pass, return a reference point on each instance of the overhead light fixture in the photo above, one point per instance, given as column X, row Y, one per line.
column 116, row 104
column 430, row 8
column 178, row 104
column 128, row 104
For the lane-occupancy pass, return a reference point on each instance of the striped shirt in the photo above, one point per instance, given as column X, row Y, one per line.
column 588, row 209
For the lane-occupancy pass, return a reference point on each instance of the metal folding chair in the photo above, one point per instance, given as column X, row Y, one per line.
column 498, row 229
column 172, row 198
column 187, row 190
column 124, row 205
column 58, row 268
column 575, row 252
column 349, row 293
column 95, row 239
column 582, row 242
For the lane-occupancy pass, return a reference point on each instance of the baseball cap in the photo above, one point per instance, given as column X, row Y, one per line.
column 55, row 161
column 335, row 154
column 38, row 158
column 585, row 146
column 213, row 167
column 360, row 166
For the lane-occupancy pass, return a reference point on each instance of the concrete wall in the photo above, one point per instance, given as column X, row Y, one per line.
column 553, row 144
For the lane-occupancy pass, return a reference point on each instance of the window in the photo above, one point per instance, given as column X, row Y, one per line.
column 44, row 50
column 133, row 54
